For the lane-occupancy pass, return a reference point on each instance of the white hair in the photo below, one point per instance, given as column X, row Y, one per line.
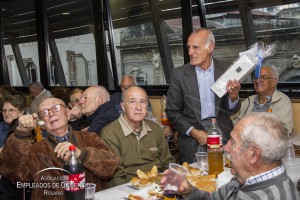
column 268, row 132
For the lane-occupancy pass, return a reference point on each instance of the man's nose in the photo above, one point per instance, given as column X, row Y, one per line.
column 51, row 112
column 81, row 101
column 138, row 105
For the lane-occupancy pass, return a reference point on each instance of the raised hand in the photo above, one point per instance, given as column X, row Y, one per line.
column 27, row 122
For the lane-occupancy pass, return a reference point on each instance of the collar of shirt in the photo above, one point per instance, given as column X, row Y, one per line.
column 265, row 176
column 261, row 107
column 40, row 94
column 62, row 139
column 205, row 80
column 128, row 130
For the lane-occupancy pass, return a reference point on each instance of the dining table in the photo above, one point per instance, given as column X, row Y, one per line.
column 121, row 192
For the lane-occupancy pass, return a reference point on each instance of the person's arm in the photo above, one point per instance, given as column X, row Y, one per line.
column 186, row 190
column 98, row 157
column 175, row 105
column 233, row 87
column 104, row 117
column 75, row 113
column 120, row 174
column 15, row 159
column 284, row 111
column 165, row 155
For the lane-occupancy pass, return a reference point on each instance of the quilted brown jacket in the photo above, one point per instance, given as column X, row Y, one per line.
column 22, row 162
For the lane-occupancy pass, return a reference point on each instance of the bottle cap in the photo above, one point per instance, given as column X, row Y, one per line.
column 72, row 148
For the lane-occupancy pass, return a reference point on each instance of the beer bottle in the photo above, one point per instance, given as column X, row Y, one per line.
column 164, row 118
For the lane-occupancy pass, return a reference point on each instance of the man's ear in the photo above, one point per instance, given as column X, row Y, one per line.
column 210, row 48
column 100, row 100
column 274, row 83
column 255, row 154
column 122, row 104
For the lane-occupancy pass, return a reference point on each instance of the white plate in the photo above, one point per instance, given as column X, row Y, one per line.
column 137, row 187
column 144, row 193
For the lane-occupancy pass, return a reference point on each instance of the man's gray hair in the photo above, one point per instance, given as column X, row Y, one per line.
column 268, row 132
column 129, row 76
column 210, row 36
column 38, row 85
column 124, row 93
column 273, row 71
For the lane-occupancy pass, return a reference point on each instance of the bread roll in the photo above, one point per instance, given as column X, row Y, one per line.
column 186, row 165
column 160, row 195
column 194, row 171
column 153, row 171
column 134, row 181
column 135, row 197
column 141, row 174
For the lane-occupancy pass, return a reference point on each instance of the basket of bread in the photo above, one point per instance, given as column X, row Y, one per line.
column 200, row 178
column 150, row 182
column 145, row 179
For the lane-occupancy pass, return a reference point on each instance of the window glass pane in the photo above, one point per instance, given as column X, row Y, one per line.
column 19, row 32
column 73, row 49
column 77, row 55
column 282, row 23
column 137, row 50
column 227, row 28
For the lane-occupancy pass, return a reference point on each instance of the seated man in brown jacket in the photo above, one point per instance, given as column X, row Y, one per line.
column 38, row 164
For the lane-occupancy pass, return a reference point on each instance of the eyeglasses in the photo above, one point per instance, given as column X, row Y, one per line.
column 8, row 111
column 54, row 108
column 261, row 78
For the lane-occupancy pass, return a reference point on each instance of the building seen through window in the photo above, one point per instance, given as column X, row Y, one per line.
column 72, row 58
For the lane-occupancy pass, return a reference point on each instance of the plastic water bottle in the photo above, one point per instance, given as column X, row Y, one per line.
column 215, row 149
column 290, row 154
column 75, row 179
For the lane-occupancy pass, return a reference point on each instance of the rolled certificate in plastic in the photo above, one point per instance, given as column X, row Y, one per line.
column 238, row 71
column 244, row 65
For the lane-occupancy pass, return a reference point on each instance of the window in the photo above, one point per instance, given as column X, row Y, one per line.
column 20, row 42
column 147, row 35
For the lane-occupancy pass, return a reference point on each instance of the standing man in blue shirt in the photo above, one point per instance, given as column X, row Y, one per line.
column 191, row 103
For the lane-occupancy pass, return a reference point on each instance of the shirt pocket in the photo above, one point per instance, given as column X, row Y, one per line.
column 153, row 153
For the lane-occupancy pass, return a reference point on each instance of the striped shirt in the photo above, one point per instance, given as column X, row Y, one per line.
column 265, row 176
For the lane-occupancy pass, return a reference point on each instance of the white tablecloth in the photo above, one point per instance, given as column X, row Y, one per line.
column 122, row 191
column 115, row 193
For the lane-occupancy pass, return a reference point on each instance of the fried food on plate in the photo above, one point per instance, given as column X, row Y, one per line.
column 145, row 179
column 134, row 181
column 141, row 174
column 135, row 197
column 194, row 171
column 186, row 165
column 206, row 183
column 153, row 172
